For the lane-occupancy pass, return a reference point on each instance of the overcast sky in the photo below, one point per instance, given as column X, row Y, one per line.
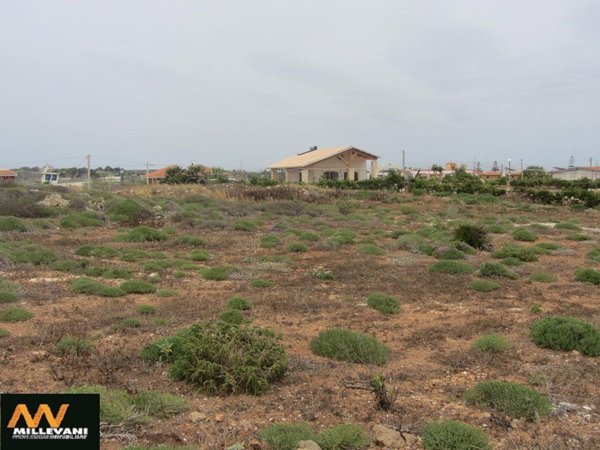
column 246, row 83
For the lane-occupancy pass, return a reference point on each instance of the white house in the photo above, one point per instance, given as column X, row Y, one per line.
column 333, row 163
column 576, row 173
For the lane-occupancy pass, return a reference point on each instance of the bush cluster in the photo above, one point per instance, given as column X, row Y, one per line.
column 566, row 333
column 453, row 435
column 285, row 436
column 384, row 303
column 345, row 345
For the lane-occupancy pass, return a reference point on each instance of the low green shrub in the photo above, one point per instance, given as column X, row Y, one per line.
column 126, row 324
column 137, row 287
column 262, row 283
column 450, row 266
column 239, row 303
column 567, row 226
column 23, row 252
column 323, row 273
column 484, row 285
column 217, row 273
column 371, row 249
column 143, row 233
column 415, row 244
column 219, row 357
column 512, row 399
column 15, row 315
column 297, row 247
column 269, row 241
column 491, row 343
column 3, row 332
column 524, row 235
column 343, row 436
column 587, row 275
column 244, row 225
column 166, row 293
column 93, row 287
column 384, row 303
column 232, row 316
column 199, row 255
column 525, row 254
column 81, row 220
column 497, row 228
column 11, row 223
column 129, row 211
column 449, row 253
column 157, row 265
column 511, row 261
column 566, row 333
column 146, row 309
column 74, row 346
column 285, row 436
column 341, row 237
column 97, row 251
column 346, row 345
column 547, row 245
column 115, row 273
column 473, row 235
column 578, row 237
column 309, row 236
column 490, row 269
column 543, row 277
column 9, row 291
column 593, row 255
column 453, row 435
column 188, row 239
column 117, row 407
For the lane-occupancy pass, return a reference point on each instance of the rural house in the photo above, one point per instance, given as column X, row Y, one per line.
column 157, row 176
column 7, row 176
column 576, row 173
column 333, row 163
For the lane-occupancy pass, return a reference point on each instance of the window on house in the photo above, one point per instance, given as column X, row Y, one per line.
column 355, row 176
column 330, row 176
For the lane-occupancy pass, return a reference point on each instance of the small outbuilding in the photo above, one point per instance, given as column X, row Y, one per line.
column 333, row 163
column 7, row 176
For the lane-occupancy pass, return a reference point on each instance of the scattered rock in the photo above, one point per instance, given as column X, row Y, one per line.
column 219, row 418
column 38, row 356
column 308, row 445
column 388, row 437
column 197, row 416
column 55, row 201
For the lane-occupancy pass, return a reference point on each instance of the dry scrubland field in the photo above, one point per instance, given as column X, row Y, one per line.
column 91, row 299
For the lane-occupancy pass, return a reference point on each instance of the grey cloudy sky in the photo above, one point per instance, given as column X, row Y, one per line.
column 246, row 83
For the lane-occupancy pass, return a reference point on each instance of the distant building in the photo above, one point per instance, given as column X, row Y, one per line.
column 333, row 163
column 488, row 174
column 49, row 175
column 157, row 176
column 7, row 176
column 576, row 173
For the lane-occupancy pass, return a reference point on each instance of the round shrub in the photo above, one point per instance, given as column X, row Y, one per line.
column 370, row 249
column 449, row 266
column 143, row 233
column 453, row 435
column 137, row 287
column 343, row 436
column 491, row 269
column 219, row 357
column 566, row 333
column 346, row 345
column 232, row 316
column 384, row 303
column 93, row 287
column 9, row 291
column 484, row 285
column 285, row 436
column 73, row 346
column 491, row 343
column 543, row 277
column 524, row 235
column 512, row 399
column 146, row 310
column 297, row 247
column 587, row 275
column 449, row 253
column 15, row 315
column 238, row 303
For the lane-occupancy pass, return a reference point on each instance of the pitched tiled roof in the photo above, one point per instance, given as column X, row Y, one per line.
column 160, row 173
column 314, row 156
column 7, row 173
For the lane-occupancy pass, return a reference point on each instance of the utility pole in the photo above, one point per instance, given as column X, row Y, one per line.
column 521, row 168
column 403, row 156
column 89, row 170
column 147, row 172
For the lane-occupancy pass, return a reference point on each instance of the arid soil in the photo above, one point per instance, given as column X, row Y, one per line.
column 431, row 363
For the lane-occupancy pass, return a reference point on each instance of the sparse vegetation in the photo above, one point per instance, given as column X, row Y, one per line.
column 371, row 249
column 490, row 269
column 543, row 277
column 491, row 343
column 217, row 273
column 137, row 287
column 232, row 316
column 384, row 303
column 484, row 285
column 524, row 235
column 239, row 303
column 143, row 233
column 9, row 291
column 297, row 247
column 262, row 283
column 74, row 346
column 566, row 333
column 346, row 345
column 453, row 435
column 146, row 310
column 512, row 399
column 269, row 241
column 285, row 436
column 12, row 224
column 15, row 315
column 450, row 266
column 588, row 275
column 473, row 235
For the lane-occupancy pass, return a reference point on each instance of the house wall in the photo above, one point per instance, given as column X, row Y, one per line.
column 576, row 174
